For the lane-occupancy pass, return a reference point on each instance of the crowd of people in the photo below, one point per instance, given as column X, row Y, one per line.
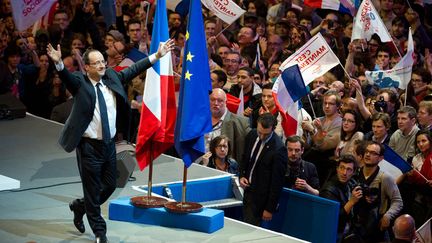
column 344, row 123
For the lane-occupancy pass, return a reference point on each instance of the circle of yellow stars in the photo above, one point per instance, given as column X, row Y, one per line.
column 189, row 57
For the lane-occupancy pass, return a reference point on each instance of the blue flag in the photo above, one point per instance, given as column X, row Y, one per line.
column 193, row 116
column 294, row 83
column 393, row 158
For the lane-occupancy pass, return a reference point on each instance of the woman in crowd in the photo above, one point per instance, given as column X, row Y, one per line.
column 350, row 133
column 416, row 185
column 38, row 82
column 219, row 156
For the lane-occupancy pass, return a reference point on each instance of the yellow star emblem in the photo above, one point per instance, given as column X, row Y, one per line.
column 189, row 57
column 188, row 75
column 187, row 35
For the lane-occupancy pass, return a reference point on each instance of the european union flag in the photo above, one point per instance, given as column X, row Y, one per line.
column 193, row 116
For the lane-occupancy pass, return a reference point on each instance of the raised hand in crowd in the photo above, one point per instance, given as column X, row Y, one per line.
column 54, row 54
column 263, row 44
column 235, row 47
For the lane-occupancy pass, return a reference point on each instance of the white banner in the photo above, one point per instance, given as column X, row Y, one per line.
column 424, row 233
column 368, row 22
column 27, row 12
column 390, row 78
column 400, row 75
column 314, row 58
column 226, row 10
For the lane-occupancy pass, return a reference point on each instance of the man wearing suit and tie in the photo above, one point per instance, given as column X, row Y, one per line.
column 100, row 112
column 263, row 170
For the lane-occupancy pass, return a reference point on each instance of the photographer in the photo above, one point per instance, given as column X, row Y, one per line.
column 382, row 200
column 338, row 189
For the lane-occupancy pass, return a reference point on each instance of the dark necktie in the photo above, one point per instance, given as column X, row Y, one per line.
column 255, row 152
column 253, row 159
column 104, row 115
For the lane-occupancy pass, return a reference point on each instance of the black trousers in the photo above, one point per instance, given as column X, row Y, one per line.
column 251, row 213
column 97, row 167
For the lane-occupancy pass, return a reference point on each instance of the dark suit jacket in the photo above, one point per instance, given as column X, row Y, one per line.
column 269, row 172
column 85, row 99
column 235, row 128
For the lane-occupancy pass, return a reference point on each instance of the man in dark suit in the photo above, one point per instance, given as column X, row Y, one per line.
column 100, row 112
column 263, row 170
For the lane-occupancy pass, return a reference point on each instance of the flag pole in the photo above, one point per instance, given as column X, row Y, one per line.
column 313, row 110
column 184, row 184
column 149, row 201
column 216, row 36
column 150, row 175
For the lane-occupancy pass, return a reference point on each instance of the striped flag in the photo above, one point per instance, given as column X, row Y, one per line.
column 288, row 89
column 158, row 113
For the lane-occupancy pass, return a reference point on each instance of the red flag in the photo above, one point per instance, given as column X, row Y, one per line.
column 158, row 113
column 233, row 103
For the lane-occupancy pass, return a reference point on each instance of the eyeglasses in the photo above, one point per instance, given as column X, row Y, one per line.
column 347, row 169
column 222, row 146
column 233, row 61
column 99, row 63
column 348, row 120
column 372, row 153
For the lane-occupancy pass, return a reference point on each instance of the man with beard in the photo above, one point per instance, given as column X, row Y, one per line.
column 382, row 200
column 301, row 175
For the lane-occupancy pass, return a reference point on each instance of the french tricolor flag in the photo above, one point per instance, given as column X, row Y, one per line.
column 345, row 6
column 179, row 6
column 287, row 90
column 158, row 113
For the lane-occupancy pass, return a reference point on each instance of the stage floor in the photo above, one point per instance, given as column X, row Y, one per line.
column 49, row 179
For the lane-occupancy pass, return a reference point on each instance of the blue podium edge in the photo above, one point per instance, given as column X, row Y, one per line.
column 207, row 221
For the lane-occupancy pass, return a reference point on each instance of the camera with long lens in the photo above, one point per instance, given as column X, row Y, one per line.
column 381, row 105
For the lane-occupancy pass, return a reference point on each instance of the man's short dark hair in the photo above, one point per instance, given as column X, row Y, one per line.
column 347, row 159
column 295, row 139
column 384, row 48
column 221, row 76
column 249, row 70
column 267, row 86
column 86, row 58
column 380, row 145
column 133, row 21
column 267, row 120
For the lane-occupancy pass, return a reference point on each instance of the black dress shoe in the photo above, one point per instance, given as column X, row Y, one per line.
column 78, row 217
column 101, row 239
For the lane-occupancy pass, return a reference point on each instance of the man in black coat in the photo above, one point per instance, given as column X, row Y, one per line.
column 100, row 112
column 263, row 170
column 338, row 189
column 301, row 175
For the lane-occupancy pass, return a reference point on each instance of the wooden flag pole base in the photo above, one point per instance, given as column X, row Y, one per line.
column 183, row 207
column 148, row 201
